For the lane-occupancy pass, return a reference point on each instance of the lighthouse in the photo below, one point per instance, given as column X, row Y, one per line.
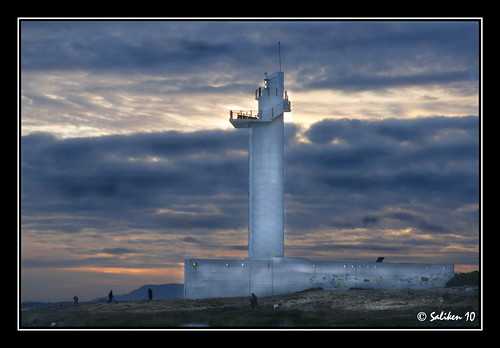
column 267, row 271
column 266, row 167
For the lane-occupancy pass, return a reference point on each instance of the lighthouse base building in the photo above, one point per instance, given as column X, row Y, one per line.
column 267, row 271
column 233, row 278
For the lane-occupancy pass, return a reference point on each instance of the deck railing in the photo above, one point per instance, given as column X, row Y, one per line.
column 275, row 111
column 244, row 114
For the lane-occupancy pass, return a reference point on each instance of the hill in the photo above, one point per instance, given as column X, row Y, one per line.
column 160, row 292
column 464, row 279
column 455, row 307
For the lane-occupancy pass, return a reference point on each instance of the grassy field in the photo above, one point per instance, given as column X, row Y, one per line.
column 453, row 307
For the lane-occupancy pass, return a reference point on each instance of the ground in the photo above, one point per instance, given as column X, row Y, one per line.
column 454, row 307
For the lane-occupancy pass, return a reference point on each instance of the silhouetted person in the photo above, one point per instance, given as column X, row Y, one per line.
column 150, row 294
column 253, row 301
column 110, row 295
column 75, row 300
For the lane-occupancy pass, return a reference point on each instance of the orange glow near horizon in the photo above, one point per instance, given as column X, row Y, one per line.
column 167, row 273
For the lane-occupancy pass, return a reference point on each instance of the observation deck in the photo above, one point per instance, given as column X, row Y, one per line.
column 242, row 118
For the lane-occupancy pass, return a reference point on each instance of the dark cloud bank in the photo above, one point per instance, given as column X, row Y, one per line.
column 340, row 55
column 344, row 174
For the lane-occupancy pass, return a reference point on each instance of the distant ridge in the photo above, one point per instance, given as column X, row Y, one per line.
column 160, row 292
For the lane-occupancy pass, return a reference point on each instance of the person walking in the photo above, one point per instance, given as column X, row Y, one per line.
column 75, row 301
column 110, row 296
column 253, row 301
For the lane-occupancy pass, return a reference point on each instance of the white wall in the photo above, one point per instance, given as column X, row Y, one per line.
column 232, row 278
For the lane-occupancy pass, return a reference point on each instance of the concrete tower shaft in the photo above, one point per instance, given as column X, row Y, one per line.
column 266, row 207
column 266, row 168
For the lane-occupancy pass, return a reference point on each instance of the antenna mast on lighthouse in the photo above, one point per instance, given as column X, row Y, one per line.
column 279, row 53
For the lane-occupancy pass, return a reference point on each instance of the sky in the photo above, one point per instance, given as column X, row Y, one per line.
column 129, row 165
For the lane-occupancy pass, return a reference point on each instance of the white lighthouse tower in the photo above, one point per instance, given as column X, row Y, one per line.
column 266, row 170
column 267, row 271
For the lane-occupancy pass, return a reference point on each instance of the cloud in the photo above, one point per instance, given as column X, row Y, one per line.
column 376, row 82
column 188, row 191
column 127, row 158
column 399, row 183
column 426, row 158
column 360, row 56
column 140, row 174
column 116, row 251
column 139, row 46
column 98, row 78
